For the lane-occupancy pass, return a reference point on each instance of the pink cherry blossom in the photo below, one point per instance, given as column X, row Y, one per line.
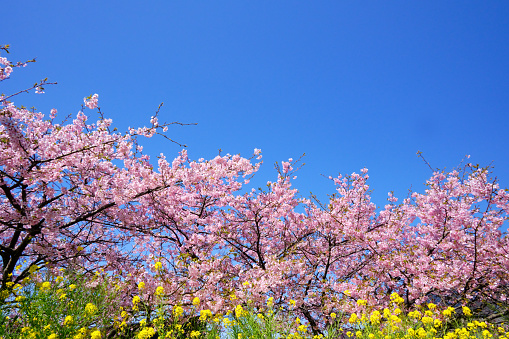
column 78, row 195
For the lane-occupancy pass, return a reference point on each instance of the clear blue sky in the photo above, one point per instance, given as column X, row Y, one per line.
column 352, row 84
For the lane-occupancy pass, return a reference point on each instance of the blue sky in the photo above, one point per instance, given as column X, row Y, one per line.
column 350, row 84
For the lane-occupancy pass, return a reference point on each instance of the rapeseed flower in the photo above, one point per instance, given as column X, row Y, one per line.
column 395, row 298
column 353, row 318
column 362, row 302
column 421, row 332
column 68, row 320
column 178, row 311
column 239, row 311
column 146, row 333
column 159, row 290
column 449, row 311
column 90, row 309
column 46, row 286
column 427, row 320
column 204, row 314
column 302, row 328
column 375, row 317
column 466, row 311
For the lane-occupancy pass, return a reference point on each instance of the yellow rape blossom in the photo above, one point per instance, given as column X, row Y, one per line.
column 45, row 286
column 353, row 318
column 421, row 332
column 375, row 317
column 427, row 320
column 68, row 320
column 159, row 290
column 362, row 302
column 178, row 311
column 146, row 333
column 302, row 328
column 449, row 311
column 396, row 298
column 196, row 301
column 395, row 319
column 466, row 311
column 415, row 314
column 204, row 314
column 486, row 334
column 90, row 309
column 239, row 311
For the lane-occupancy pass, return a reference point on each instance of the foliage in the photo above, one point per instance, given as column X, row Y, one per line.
column 73, row 305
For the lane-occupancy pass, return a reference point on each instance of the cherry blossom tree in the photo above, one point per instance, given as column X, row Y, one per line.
column 79, row 194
